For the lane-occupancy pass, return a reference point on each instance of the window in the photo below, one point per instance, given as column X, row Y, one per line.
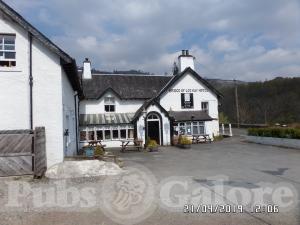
column 130, row 133
column 187, row 100
column 7, row 50
column 153, row 117
column 109, row 104
column 188, row 128
column 115, row 133
column 91, row 135
column 123, row 133
column 182, row 128
column 107, row 134
column 204, row 106
column 99, row 135
column 83, row 135
column 201, row 128
column 195, row 128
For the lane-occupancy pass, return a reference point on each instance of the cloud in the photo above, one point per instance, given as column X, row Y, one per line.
column 222, row 44
column 248, row 40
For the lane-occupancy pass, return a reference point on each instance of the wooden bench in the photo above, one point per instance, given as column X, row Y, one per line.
column 136, row 145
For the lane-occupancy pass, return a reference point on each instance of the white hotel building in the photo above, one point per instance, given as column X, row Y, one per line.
column 119, row 106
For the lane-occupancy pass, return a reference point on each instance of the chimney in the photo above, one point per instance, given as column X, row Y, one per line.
column 87, row 73
column 186, row 60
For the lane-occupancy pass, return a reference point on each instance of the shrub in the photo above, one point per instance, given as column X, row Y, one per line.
column 293, row 133
column 184, row 140
column 98, row 151
column 152, row 144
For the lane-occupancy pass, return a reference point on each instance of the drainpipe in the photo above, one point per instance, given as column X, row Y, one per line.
column 30, row 81
column 76, row 122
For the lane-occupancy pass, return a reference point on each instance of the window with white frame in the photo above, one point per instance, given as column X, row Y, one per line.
column 7, row 50
column 99, row 135
column 107, row 133
column 109, row 104
column 189, row 128
column 187, row 100
column 204, row 106
column 115, row 133
column 83, row 135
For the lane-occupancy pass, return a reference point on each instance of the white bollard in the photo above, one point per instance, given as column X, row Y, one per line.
column 223, row 129
column 230, row 130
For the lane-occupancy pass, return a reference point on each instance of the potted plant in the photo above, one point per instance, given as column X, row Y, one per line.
column 152, row 146
column 184, row 142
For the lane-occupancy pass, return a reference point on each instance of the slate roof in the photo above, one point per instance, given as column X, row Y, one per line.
column 124, row 86
column 179, row 116
column 67, row 62
column 105, row 119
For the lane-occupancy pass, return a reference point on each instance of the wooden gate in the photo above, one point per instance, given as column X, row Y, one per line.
column 22, row 152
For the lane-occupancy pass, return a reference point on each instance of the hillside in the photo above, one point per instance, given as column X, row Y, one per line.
column 274, row 101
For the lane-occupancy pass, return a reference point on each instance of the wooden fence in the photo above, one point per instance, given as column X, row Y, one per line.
column 23, row 152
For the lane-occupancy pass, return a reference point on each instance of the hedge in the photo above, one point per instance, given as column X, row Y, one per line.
column 293, row 133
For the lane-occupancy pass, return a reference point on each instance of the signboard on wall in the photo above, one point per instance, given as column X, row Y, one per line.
column 187, row 90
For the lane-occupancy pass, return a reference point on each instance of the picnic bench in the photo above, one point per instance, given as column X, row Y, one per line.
column 131, row 145
column 202, row 138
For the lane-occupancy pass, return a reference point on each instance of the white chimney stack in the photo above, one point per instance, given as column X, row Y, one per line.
column 87, row 71
column 186, row 60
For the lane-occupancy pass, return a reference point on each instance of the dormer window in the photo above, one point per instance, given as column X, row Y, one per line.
column 7, row 50
column 109, row 104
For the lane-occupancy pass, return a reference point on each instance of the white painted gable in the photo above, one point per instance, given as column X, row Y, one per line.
column 171, row 99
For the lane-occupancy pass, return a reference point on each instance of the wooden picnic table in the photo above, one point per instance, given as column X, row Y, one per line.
column 136, row 145
column 197, row 138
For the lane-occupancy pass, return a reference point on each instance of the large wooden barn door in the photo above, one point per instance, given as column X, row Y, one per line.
column 17, row 152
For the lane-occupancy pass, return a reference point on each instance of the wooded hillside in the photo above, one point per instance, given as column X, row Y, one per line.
column 274, row 101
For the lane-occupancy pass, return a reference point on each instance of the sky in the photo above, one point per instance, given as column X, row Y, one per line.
column 247, row 40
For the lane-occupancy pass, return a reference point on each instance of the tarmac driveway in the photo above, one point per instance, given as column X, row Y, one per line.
column 227, row 173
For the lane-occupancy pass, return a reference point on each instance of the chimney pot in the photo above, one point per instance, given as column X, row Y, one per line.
column 183, row 52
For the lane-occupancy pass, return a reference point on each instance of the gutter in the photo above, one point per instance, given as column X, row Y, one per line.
column 30, row 82
column 76, row 122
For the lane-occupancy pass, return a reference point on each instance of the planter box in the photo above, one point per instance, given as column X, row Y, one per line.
column 280, row 142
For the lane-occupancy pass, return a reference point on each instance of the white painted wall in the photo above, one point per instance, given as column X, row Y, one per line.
column 97, row 106
column 69, row 116
column 14, row 83
column 172, row 100
column 50, row 91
